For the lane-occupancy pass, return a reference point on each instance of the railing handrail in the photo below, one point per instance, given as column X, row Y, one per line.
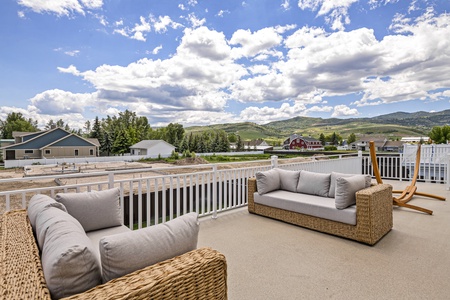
column 153, row 169
column 208, row 188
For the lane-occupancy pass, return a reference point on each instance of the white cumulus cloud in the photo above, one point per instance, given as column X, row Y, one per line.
column 61, row 7
column 253, row 43
column 334, row 11
column 344, row 110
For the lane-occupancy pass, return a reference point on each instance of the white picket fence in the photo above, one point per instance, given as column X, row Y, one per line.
column 19, row 163
column 168, row 192
column 152, row 196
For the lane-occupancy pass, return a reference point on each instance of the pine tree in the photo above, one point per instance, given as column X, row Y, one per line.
column 322, row 139
column 239, row 144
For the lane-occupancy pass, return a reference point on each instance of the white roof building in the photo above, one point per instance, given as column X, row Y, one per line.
column 152, row 148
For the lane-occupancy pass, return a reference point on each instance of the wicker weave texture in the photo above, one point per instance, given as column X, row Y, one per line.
column 199, row 274
column 21, row 270
column 373, row 215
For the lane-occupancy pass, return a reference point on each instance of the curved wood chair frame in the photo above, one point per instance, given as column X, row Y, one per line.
column 411, row 190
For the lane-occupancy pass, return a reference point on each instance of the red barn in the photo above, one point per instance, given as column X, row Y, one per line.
column 298, row 142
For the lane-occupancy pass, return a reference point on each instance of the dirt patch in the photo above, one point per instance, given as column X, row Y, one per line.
column 86, row 175
column 191, row 161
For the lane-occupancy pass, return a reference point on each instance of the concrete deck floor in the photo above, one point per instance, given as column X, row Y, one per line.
column 269, row 259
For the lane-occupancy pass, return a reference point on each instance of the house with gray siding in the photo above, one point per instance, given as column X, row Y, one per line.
column 52, row 143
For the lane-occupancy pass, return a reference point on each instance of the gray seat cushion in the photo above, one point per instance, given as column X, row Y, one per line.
column 96, row 235
column 322, row 207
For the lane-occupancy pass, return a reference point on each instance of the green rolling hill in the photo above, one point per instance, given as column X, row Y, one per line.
column 394, row 125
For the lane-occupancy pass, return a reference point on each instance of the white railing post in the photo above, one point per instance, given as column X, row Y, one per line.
column 274, row 161
column 400, row 164
column 214, row 191
column 448, row 171
column 111, row 180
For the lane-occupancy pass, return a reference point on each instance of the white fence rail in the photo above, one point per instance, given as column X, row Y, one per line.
column 19, row 163
column 434, row 162
column 152, row 196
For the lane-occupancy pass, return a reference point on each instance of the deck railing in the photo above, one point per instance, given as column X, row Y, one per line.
column 152, row 196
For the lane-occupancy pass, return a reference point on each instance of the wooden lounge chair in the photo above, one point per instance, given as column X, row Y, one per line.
column 411, row 190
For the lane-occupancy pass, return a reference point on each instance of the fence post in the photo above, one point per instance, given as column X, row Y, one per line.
column 400, row 165
column 361, row 162
column 448, row 171
column 214, row 191
column 111, row 180
column 274, row 161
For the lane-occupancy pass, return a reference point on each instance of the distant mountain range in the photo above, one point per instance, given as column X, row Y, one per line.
column 392, row 125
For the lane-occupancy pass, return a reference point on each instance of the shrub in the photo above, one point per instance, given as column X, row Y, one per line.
column 186, row 154
column 175, row 155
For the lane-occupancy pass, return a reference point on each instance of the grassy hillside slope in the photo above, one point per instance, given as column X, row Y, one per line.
column 392, row 126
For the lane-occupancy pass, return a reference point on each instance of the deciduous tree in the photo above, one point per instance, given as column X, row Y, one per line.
column 16, row 122
column 440, row 135
column 351, row 138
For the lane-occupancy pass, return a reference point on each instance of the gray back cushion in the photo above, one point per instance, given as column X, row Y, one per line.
column 346, row 188
column 127, row 252
column 94, row 210
column 314, row 183
column 37, row 204
column 267, row 181
column 288, row 180
column 68, row 257
column 335, row 175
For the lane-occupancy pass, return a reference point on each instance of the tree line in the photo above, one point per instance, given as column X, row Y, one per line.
column 117, row 133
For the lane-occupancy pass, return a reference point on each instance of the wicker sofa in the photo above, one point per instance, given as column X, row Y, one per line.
column 373, row 214
column 198, row 274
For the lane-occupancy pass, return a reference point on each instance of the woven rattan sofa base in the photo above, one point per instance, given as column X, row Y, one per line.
column 373, row 215
column 199, row 274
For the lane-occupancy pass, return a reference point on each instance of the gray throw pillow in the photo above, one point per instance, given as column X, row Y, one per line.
column 68, row 257
column 39, row 203
column 127, row 252
column 314, row 183
column 94, row 210
column 288, row 180
column 335, row 175
column 267, row 181
column 346, row 188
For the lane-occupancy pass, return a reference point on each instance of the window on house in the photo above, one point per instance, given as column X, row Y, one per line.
column 76, row 152
column 28, row 151
column 91, row 151
column 47, row 151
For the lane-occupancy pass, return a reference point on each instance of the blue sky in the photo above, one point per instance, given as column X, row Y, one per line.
column 206, row 62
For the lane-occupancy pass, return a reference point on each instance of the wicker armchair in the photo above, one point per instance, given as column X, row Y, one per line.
column 373, row 215
column 199, row 274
